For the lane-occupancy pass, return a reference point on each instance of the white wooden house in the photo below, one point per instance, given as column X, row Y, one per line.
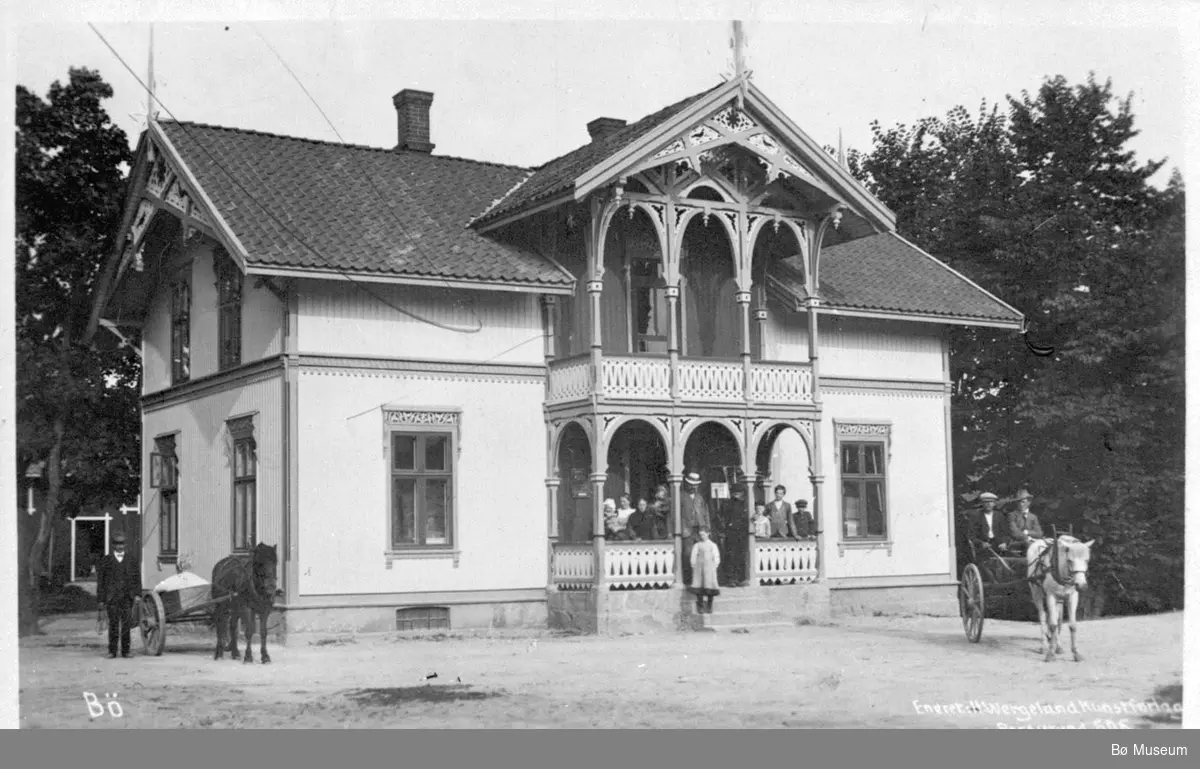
column 421, row 375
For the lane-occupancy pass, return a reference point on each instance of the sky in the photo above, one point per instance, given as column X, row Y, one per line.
column 521, row 90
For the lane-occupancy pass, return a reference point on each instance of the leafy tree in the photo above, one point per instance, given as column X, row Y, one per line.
column 77, row 407
column 1046, row 207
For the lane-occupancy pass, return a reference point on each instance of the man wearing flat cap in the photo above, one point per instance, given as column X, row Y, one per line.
column 1023, row 526
column 693, row 513
column 118, row 585
column 988, row 526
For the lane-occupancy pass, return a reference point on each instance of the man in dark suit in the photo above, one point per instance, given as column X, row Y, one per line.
column 118, row 585
column 805, row 527
column 783, row 524
column 988, row 526
column 1023, row 526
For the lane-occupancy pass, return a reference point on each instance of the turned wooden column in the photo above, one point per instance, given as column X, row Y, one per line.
column 673, row 339
column 594, row 289
column 676, row 526
column 743, row 300
column 598, row 480
column 551, row 527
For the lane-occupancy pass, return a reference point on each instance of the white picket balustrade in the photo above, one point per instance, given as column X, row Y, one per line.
column 574, row 566
column 710, row 380
column 781, row 383
column 569, row 380
column 639, row 565
column 785, row 562
column 636, row 378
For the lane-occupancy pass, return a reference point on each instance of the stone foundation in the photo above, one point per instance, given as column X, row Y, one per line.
column 376, row 619
column 938, row 600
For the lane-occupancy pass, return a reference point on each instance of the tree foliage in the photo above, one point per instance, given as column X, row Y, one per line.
column 77, row 407
column 1045, row 206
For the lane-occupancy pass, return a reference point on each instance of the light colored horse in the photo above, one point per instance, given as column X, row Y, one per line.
column 1057, row 571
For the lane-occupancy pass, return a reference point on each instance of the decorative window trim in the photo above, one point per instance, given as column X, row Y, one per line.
column 864, row 431
column 241, row 430
column 423, row 420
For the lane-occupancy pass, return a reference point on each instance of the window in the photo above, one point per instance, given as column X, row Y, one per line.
column 229, row 310
column 422, row 449
column 245, row 484
column 423, row 618
column 864, row 480
column 181, row 359
column 651, row 316
column 164, row 475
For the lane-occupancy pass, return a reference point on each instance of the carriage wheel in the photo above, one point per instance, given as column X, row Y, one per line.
column 153, row 620
column 970, row 602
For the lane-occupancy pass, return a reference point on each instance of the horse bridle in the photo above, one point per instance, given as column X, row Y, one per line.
column 1050, row 564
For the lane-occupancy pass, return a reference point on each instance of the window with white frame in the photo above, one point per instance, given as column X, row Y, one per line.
column 422, row 458
column 181, row 354
column 244, row 465
column 863, row 451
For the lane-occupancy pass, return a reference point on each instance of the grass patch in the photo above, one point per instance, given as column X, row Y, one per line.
column 1171, row 694
column 399, row 695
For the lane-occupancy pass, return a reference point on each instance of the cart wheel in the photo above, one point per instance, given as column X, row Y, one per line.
column 153, row 621
column 970, row 602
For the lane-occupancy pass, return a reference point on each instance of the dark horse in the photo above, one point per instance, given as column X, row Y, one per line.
column 249, row 579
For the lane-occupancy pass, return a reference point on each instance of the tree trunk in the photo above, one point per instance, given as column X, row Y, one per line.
column 37, row 554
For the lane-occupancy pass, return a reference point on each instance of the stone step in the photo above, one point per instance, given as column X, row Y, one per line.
column 732, row 617
column 746, row 628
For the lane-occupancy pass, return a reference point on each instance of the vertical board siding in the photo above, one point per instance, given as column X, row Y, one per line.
column 262, row 324
column 342, row 318
column 916, row 484
column 205, row 474
column 786, row 335
column 344, row 481
column 880, row 349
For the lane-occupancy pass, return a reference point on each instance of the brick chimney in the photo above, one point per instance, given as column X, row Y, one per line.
column 412, row 120
column 603, row 126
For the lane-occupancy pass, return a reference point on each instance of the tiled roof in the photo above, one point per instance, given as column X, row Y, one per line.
column 304, row 204
column 558, row 175
column 885, row 273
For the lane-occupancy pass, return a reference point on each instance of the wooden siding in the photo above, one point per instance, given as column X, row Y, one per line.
column 880, row 349
column 205, row 477
column 340, row 317
column 916, row 483
column 501, row 497
column 262, row 321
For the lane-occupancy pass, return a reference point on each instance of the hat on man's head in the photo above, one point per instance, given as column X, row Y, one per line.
column 118, row 538
column 1024, row 494
column 692, row 478
column 801, row 503
column 987, row 496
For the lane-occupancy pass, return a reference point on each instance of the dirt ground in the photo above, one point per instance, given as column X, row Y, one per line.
column 880, row 672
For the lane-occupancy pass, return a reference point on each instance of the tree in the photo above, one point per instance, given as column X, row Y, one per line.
column 77, row 407
column 1047, row 208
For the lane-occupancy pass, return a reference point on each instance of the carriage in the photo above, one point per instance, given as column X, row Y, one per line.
column 159, row 608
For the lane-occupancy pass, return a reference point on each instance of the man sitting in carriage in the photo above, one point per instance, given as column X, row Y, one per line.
column 1023, row 526
column 988, row 527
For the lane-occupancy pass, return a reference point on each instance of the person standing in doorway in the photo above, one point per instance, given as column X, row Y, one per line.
column 780, row 513
column 693, row 514
column 118, row 585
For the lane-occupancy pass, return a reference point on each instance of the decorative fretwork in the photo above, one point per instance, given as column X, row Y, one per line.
column 735, row 120
column 781, row 383
column 764, row 143
column 710, row 380
column 157, row 181
column 177, row 197
column 844, row 428
column 702, row 134
column 574, row 566
column 569, row 381
column 142, row 220
column 671, row 149
column 660, row 214
column 199, row 215
column 420, row 417
column 636, row 378
column 791, row 161
column 786, row 563
column 639, row 565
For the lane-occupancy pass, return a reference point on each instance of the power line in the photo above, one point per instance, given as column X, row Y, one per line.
column 358, row 284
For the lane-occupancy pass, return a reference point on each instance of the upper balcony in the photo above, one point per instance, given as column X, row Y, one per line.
column 653, row 379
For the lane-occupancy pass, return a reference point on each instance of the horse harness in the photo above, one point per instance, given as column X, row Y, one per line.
column 1049, row 563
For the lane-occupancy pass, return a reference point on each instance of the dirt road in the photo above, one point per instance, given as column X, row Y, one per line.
column 872, row 672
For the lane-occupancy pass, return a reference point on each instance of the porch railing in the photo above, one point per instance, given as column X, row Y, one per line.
column 785, row 562
column 639, row 565
column 648, row 378
column 574, row 566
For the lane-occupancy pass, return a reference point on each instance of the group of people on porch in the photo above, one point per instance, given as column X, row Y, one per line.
column 726, row 525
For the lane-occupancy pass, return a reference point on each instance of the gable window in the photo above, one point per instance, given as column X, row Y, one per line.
column 862, row 456
column 181, row 356
column 229, row 310
column 422, row 457
column 164, row 476
column 244, row 464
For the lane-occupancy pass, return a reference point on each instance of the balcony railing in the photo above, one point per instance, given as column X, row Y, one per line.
column 785, row 562
column 639, row 565
column 649, row 378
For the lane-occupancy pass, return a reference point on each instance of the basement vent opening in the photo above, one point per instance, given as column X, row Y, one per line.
column 423, row 618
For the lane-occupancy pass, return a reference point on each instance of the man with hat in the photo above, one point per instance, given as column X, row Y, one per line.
column 693, row 513
column 118, row 585
column 988, row 526
column 805, row 527
column 1023, row 526
column 734, row 515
